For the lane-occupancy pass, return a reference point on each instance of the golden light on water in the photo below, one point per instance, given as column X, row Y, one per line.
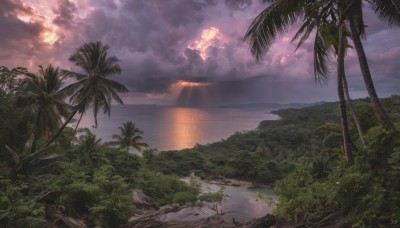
column 207, row 39
column 186, row 127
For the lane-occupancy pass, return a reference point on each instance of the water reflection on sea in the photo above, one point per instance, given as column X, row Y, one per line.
column 171, row 128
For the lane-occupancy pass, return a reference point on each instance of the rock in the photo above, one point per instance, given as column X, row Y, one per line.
column 210, row 222
column 144, row 222
column 263, row 222
column 141, row 200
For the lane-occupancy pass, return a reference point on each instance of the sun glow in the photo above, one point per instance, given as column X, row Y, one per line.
column 49, row 37
column 208, row 38
column 183, row 83
column 191, row 93
column 45, row 12
column 43, row 15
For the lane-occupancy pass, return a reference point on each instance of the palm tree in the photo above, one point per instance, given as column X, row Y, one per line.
column 353, row 112
column 321, row 16
column 28, row 157
column 342, row 101
column 42, row 94
column 93, row 88
column 389, row 12
column 89, row 145
column 130, row 136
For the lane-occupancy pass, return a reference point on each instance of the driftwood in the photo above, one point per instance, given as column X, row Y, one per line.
column 151, row 218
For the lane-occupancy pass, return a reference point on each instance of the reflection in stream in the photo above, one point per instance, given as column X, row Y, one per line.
column 240, row 203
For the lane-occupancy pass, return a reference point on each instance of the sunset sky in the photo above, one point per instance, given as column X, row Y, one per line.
column 167, row 45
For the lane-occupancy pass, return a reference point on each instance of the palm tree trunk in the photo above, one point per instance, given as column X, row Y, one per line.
column 76, row 128
column 62, row 127
column 36, row 133
column 67, row 121
column 342, row 103
column 353, row 111
column 378, row 108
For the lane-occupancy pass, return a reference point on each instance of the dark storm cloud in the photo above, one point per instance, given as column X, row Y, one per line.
column 259, row 89
column 238, row 4
column 65, row 12
column 156, row 42
column 153, row 37
column 153, row 85
column 18, row 37
column 175, row 12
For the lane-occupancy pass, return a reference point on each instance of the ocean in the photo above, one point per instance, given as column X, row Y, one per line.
column 175, row 128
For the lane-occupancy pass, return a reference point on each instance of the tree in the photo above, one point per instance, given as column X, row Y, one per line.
column 10, row 86
column 322, row 16
column 28, row 157
column 89, row 145
column 282, row 13
column 342, row 101
column 9, row 81
column 93, row 87
column 389, row 12
column 353, row 112
column 130, row 136
column 42, row 94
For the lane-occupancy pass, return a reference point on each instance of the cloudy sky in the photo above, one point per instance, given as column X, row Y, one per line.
column 186, row 51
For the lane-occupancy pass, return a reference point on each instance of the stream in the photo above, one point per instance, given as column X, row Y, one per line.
column 239, row 203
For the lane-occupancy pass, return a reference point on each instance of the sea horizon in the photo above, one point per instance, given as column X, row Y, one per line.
column 177, row 127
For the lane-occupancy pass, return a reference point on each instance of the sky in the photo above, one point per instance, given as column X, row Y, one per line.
column 188, row 52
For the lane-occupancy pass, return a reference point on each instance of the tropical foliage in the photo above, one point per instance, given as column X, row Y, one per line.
column 333, row 21
column 93, row 88
column 45, row 181
column 42, row 95
column 130, row 136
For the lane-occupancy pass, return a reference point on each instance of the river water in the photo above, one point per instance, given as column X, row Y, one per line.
column 239, row 203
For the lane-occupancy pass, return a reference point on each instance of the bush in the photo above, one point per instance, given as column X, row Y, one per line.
column 165, row 189
column 18, row 209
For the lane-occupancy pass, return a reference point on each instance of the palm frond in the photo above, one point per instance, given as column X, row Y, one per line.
column 321, row 70
column 270, row 22
column 354, row 10
column 387, row 10
column 304, row 31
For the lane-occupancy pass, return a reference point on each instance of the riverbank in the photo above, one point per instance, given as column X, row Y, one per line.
column 241, row 204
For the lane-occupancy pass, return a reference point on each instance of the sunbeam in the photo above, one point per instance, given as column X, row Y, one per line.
column 194, row 93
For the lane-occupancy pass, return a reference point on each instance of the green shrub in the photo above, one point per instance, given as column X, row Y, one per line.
column 165, row 189
column 18, row 209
